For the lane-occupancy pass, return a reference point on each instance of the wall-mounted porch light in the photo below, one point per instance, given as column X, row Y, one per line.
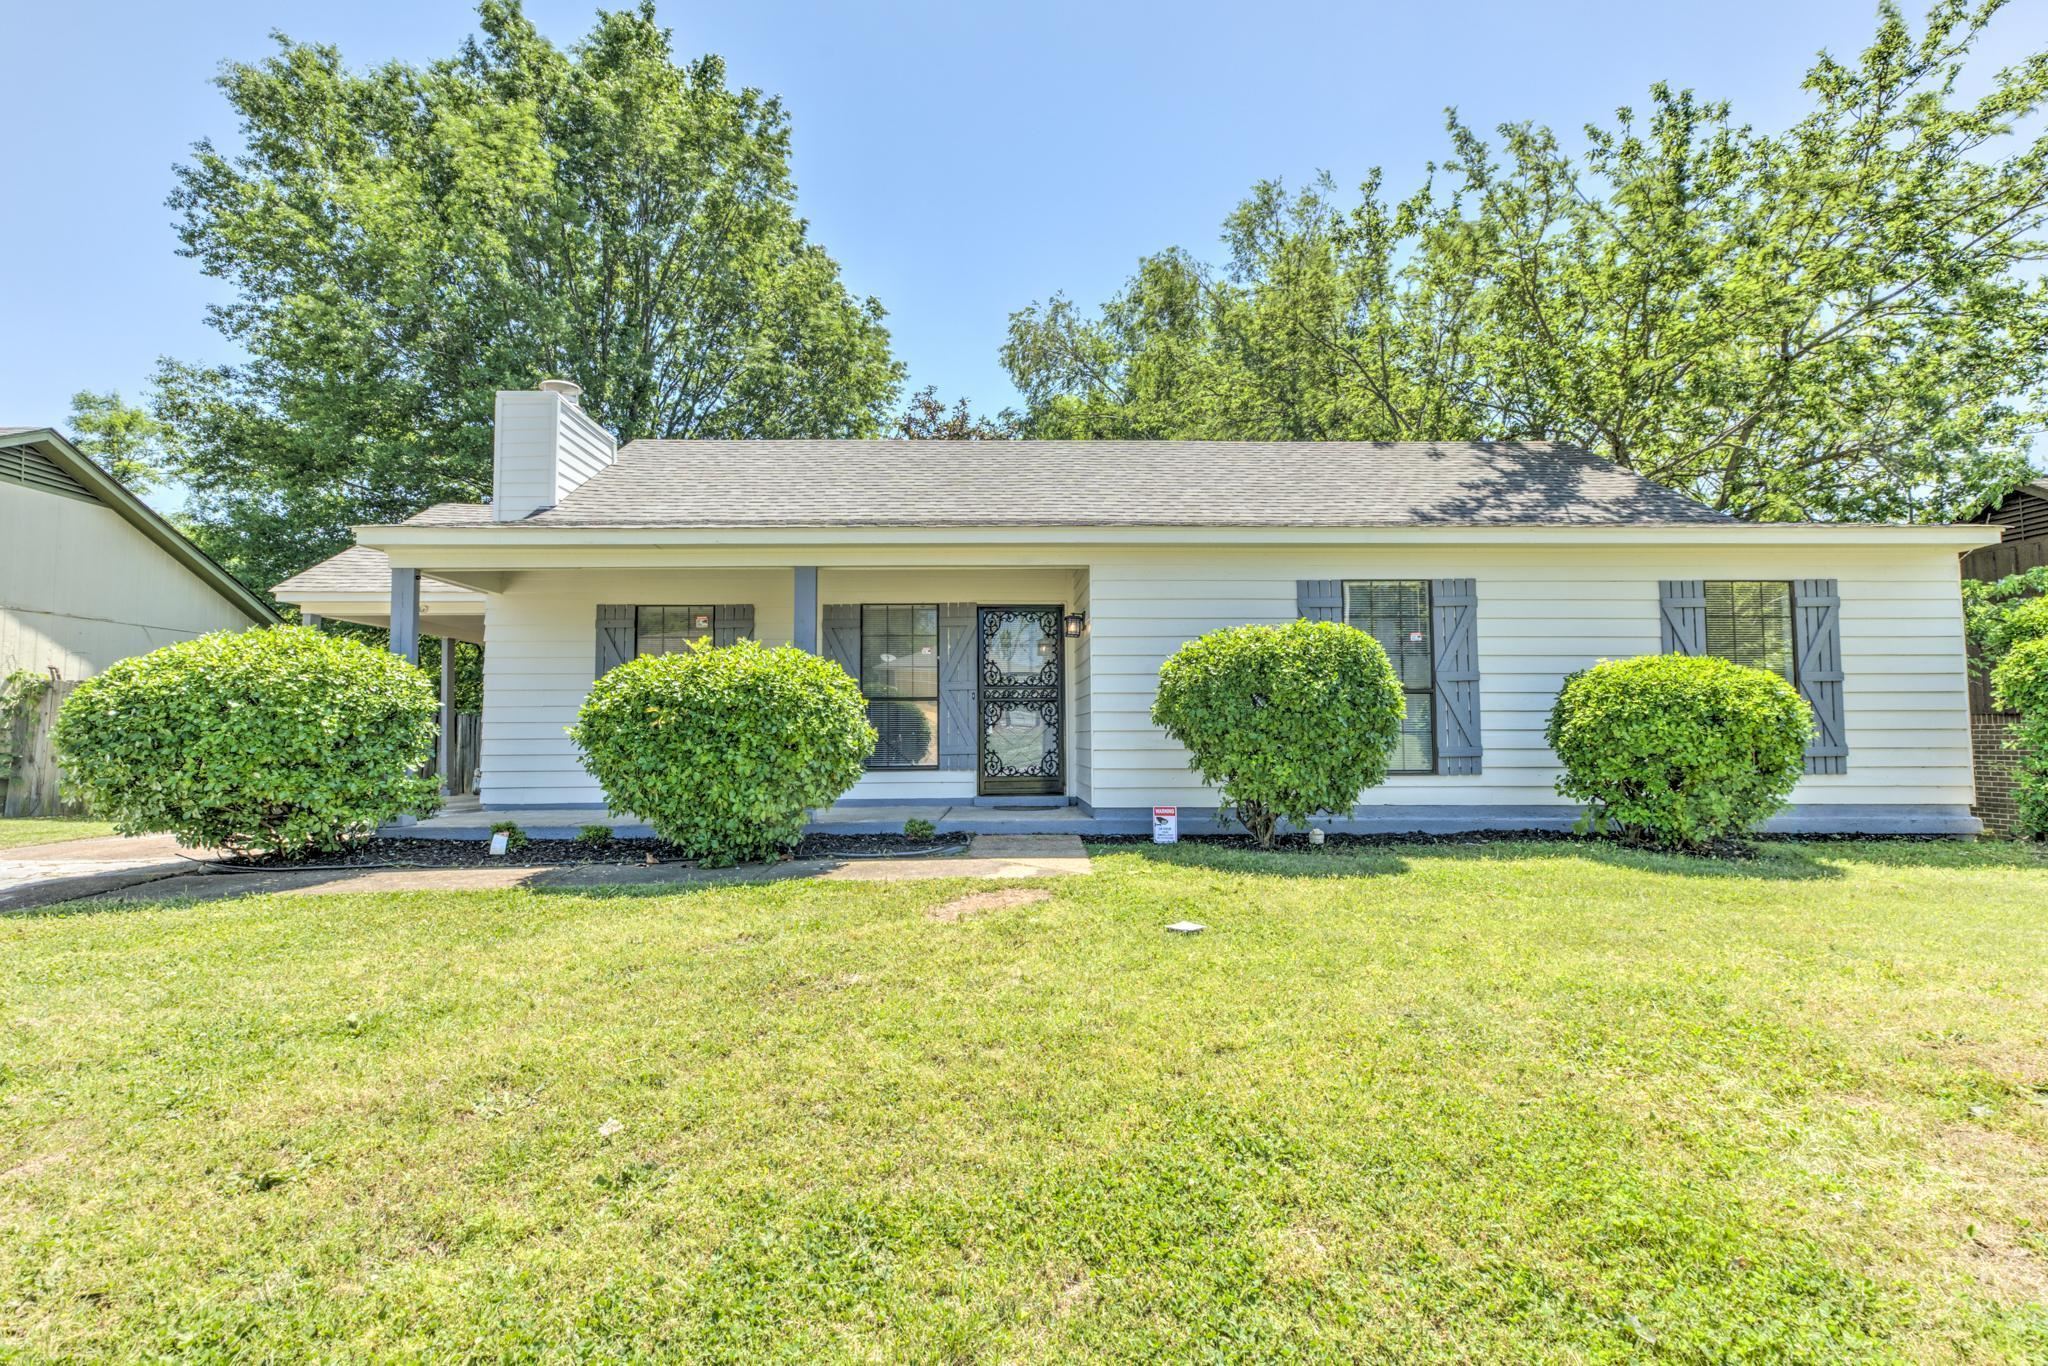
column 1077, row 622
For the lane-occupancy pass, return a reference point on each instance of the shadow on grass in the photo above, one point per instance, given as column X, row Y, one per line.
column 1769, row 861
column 89, row 896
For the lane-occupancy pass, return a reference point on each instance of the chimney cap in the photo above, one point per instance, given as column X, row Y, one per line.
column 567, row 388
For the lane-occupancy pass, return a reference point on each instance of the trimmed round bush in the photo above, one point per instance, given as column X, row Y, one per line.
column 1678, row 751
column 274, row 741
column 723, row 750
column 2020, row 684
column 1288, row 722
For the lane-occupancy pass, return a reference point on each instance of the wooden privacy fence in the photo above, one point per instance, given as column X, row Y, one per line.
column 462, row 766
column 1992, row 563
column 30, row 783
column 30, row 786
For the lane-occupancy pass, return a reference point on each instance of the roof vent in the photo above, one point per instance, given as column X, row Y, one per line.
column 567, row 388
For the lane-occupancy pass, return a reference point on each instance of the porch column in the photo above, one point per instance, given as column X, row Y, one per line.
column 447, row 713
column 805, row 636
column 405, row 614
column 310, row 620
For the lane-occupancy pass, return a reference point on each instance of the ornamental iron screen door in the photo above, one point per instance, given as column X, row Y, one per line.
column 1022, row 698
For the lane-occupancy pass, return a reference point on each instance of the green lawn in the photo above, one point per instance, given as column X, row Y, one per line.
column 1502, row 1102
column 16, row 831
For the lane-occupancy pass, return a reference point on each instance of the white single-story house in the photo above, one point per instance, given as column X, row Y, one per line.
column 89, row 574
column 1006, row 606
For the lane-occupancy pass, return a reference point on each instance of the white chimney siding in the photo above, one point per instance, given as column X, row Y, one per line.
column 542, row 447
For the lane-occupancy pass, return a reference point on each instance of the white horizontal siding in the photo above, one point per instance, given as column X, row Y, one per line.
column 1542, row 614
column 541, row 448
column 583, row 448
column 541, row 656
column 1080, row 725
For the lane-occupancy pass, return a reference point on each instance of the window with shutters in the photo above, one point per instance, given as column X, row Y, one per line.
column 665, row 630
column 1750, row 622
column 899, row 676
column 1396, row 613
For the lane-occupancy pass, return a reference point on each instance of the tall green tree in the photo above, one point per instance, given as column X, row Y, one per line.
column 403, row 241
column 1842, row 320
column 127, row 441
column 927, row 418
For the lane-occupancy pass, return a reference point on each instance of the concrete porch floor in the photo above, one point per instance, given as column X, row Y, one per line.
column 464, row 819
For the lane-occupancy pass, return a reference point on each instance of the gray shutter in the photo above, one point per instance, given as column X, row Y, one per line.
column 842, row 636
column 1683, row 604
column 958, row 671
column 732, row 623
column 1817, row 641
column 615, row 637
column 1454, row 611
column 1319, row 599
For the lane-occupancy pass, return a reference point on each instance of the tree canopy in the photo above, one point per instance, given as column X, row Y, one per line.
column 403, row 241
column 127, row 441
column 927, row 418
column 1842, row 320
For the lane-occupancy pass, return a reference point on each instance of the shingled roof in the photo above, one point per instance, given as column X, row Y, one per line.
column 1105, row 483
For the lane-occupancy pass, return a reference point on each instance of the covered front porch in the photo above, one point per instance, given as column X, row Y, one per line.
column 975, row 672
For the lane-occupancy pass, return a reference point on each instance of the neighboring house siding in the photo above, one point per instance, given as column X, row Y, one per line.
column 539, row 661
column 1542, row 612
column 80, row 588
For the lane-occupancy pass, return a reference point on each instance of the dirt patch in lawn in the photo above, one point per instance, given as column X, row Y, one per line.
column 977, row 903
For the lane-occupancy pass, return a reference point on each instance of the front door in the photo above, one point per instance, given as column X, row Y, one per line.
column 1022, row 699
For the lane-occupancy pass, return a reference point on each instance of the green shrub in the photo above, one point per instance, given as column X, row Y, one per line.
column 596, row 836
column 2020, row 684
column 516, row 839
column 918, row 828
column 2000, row 614
column 2027, row 620
column 1678, row 751
column 723, row 750
column 274, row 741
column 1287, row 721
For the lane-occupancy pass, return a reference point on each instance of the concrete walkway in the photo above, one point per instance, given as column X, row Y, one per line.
column 45, row 874
column 150, row 869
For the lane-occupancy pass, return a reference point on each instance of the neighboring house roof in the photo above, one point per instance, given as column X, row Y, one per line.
column 48, row 459
column 848, row 483
column 2023, row 512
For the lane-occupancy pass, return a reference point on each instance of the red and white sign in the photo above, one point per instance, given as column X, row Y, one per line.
column 1166, row 825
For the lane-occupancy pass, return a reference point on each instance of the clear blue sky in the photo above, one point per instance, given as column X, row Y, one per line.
column 960, row 160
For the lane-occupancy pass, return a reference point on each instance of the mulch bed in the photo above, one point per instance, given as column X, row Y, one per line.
column 1724, row 849
column 415, row 853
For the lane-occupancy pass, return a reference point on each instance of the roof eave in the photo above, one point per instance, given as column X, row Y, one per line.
column 527, row 534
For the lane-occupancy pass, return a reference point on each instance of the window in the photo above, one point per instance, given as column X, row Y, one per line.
column 1396, row 613
column 899, row 675
column 669, row 630
column 1750, row 622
